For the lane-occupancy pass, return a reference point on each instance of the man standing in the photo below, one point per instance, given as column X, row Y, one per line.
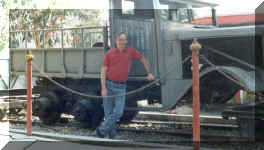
column 114, row 73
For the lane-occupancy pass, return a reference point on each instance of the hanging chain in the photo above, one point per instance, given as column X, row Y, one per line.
column 145, row 86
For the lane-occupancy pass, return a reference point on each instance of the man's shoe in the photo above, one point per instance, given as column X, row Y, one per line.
column 99, row 134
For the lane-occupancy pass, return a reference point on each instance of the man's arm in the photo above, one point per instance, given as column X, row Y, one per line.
column 146, row 65
column 103, row 77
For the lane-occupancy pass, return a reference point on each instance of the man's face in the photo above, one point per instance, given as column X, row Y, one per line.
column 121, row 41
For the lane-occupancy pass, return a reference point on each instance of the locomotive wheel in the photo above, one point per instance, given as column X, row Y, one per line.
column 216, row 91
column 15, row 111
column 2, row 114
column 47, row 108
column 247, row 127
column 129, row 115
column 259, row 127
column 88, row 112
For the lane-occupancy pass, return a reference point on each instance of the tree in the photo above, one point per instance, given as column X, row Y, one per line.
column 35, row 19
column 5, row 5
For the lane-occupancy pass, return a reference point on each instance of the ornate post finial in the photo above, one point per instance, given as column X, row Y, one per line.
column 29, row 56
column 195, row 46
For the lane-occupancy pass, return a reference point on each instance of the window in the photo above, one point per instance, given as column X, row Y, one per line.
column 128, row 7
column 164, row 11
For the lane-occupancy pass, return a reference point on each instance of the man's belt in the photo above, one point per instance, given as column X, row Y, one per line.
column 117, row 82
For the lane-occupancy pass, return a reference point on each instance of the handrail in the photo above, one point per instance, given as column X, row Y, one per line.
column 54, row 29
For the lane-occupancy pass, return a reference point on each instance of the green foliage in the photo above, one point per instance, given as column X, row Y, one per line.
column 5, row 5
column 35, row 19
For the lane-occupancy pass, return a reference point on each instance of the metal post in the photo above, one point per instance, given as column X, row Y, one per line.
column 214, row 17
column 190, row 15
column 3, row 81
column 105, row 32
column 29, row 58
column 195, row 47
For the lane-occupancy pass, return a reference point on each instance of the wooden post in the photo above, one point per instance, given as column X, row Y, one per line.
column 195, row 47
column 29, row 59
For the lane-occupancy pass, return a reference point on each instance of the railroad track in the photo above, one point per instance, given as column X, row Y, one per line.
column 205, row 137
column 184, row 129
column 186, row 124
column 156, row 123
column 148, row 116
column 14, row 92
column 140, row 123
column 13, row 104
column 145, row 127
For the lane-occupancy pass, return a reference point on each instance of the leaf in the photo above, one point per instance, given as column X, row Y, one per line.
column 29, row 19
column 23, row 2
column 3, row 4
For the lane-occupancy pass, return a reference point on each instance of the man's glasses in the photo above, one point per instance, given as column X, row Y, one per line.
column 122, row 39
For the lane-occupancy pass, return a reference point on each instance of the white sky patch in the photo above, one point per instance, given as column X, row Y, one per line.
column 76, row 4
column 81, row 4
column 227, row 7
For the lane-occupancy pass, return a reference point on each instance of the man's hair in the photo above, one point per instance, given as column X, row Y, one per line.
column 118, row 35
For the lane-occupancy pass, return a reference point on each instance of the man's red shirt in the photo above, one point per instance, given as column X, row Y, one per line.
column 118, row 63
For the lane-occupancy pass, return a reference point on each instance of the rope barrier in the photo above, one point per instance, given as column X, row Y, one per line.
column 153, row 82
column 112, row 96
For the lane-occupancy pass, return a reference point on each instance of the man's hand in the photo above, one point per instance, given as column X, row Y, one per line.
column 150, row 77
column 146, row 65
column 104, row 92
column 103, row 73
